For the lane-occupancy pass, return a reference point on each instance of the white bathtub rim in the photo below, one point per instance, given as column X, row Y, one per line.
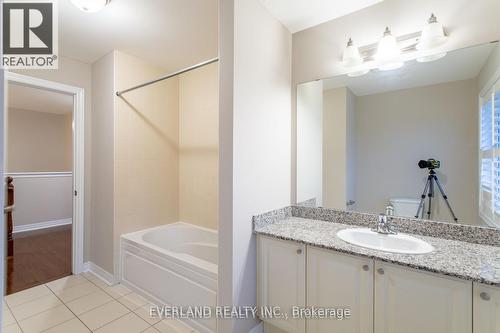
column 193, row 263
column 143, row 231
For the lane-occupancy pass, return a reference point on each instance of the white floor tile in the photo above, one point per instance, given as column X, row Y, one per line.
column 151, row 330
column 8, row 318
column 46, row 319
column 35, row 306
column 100, row 283
column 133, row 301
column 71, row 326
column 80, row 290
column 66, row 282
column 89, row 302
column 117, row 291
column 130, row 323
column 26, row 295
column 103, row 315
column 144, row 313
column 14, row 328
column 173, row 326
column 90, row 276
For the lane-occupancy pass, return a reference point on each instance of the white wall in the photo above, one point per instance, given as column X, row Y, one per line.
column 335, row 148
column 351, row 158
column 101, row 249
column 395, row 130
column 489, row 70
column 310, row 142
column 259, row 141
column 42, row 198
column 39, row 141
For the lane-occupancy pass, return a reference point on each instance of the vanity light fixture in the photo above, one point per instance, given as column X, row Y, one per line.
column 388, row 53
column 432, row 36
column 351, row 56
column 90, row 6
column 352, row 59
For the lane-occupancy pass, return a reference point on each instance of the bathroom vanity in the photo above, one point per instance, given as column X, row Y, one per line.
column 302, row 263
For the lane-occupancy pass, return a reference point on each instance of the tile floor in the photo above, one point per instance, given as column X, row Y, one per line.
column 79, row 304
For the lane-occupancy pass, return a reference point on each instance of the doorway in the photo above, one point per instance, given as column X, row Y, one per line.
column 43, row 163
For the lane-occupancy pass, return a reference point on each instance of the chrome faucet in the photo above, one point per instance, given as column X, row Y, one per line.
column 384, row 226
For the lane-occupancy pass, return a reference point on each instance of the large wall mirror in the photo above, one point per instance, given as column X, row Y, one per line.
column 379, row 142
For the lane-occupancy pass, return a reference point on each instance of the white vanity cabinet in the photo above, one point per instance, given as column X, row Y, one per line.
column 281, row 274
column 382, row 297
column 338, row 280
column 412, row 301
column 486, row 301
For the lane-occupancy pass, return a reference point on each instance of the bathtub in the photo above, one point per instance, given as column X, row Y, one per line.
column 173, row 264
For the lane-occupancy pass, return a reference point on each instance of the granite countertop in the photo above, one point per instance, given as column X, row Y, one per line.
column 480, row 263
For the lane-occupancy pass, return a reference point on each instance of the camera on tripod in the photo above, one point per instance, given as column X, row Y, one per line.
column 429, row 164
column 432, row 180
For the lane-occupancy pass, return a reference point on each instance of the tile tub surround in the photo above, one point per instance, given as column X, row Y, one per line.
column 79, row 304
column 458, row 258
column 451, row 231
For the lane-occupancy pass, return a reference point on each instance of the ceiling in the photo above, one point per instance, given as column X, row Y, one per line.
column 457, row 65
column 168, row 33
column 34, row 99
column 298, row 15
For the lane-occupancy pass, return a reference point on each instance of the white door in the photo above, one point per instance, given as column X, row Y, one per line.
column 340, row 281
column 486, row 309
column 281, row 280
column 413, row 301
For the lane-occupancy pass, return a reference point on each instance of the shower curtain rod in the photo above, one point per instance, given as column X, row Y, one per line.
column 167, row 76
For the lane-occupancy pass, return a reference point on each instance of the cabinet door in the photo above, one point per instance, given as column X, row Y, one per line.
column 413, row 301
column 486, row 309
column 281, row 280
column 337, row 280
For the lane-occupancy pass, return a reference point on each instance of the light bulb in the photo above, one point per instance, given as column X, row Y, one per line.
column 351, row 56
column 90, row 6
column 388, row 53
column 432, row 35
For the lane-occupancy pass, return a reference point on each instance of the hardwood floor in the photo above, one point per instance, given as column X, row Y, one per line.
column 39, row 257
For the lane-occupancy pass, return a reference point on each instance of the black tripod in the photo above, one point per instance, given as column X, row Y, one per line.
column 429, row 192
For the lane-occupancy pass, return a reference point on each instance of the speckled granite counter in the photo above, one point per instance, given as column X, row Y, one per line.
column 480, row 263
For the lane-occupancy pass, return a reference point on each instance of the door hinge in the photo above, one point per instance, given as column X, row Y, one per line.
column 76, row 193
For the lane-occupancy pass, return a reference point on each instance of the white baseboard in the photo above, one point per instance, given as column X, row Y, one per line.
column 100, row 272
column 257, row 329
column 41, row 225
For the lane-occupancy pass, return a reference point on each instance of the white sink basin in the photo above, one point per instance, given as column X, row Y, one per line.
column 399, row 243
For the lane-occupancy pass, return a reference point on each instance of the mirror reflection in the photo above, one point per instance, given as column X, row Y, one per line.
column 419, row 141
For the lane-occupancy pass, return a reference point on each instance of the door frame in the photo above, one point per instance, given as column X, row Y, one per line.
column 78, row 154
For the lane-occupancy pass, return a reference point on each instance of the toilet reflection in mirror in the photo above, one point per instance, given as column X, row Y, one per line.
column 360, row 140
